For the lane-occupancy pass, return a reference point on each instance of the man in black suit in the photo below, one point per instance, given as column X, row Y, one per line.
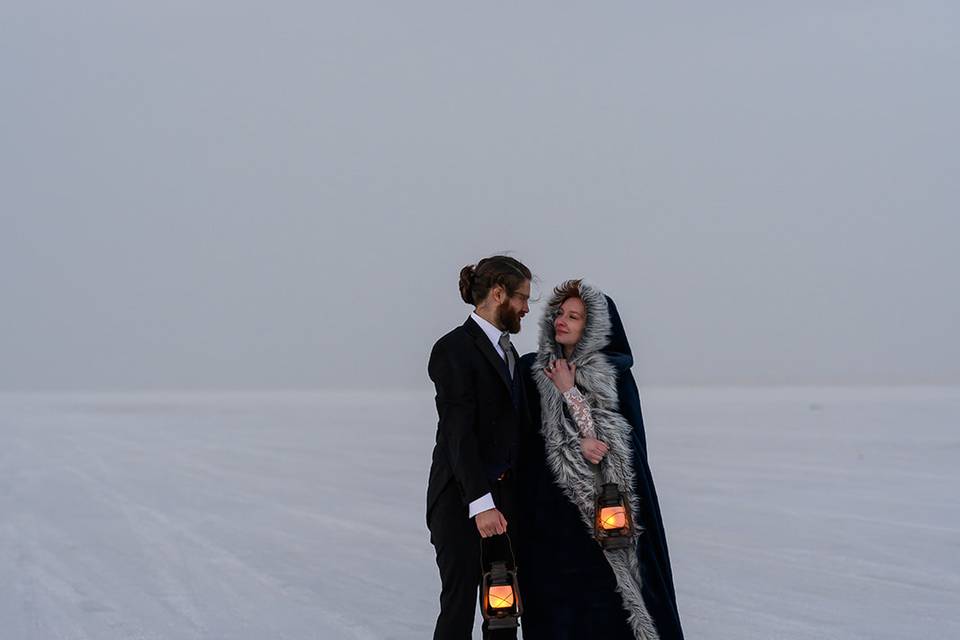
column 470, row 496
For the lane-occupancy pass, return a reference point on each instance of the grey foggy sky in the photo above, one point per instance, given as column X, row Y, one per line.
column 261, row 195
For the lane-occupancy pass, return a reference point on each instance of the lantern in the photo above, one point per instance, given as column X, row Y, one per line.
column 613, row 527
column 500, row 598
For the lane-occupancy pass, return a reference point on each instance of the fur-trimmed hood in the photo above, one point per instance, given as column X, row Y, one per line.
column 600, row 356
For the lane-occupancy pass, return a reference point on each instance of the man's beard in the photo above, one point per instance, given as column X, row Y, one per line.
column 509, row 318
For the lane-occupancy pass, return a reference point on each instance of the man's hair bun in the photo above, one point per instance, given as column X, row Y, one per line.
column 467, row 275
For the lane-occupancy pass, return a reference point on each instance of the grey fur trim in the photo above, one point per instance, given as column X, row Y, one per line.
column 597, row 380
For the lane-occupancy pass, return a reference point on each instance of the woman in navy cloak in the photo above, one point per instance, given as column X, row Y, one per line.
column 585, row 408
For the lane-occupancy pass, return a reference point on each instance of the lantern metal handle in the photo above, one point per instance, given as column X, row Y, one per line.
column 513, row 558
column 598, row 474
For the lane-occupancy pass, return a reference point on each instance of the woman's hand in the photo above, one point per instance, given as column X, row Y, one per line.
column 562, row 374
column 593, row 450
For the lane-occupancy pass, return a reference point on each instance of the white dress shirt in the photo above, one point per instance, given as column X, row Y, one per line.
column 485, row 502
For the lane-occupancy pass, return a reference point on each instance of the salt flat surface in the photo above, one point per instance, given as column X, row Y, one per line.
column 791, row 514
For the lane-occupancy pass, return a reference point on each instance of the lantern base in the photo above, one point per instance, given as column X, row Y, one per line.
column 507, row 622
column 616, row 542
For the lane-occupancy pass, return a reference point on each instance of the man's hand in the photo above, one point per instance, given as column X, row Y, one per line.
column 593, row 450
column 491, row 523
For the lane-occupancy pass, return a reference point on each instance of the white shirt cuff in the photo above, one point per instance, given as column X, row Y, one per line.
column 481, row 504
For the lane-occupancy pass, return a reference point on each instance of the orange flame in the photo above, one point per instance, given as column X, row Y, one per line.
column 501, row 597
column 613, row 517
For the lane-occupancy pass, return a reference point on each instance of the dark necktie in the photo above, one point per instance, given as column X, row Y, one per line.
column 508, row 352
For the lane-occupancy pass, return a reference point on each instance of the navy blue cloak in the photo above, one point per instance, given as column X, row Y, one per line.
column 567, row 585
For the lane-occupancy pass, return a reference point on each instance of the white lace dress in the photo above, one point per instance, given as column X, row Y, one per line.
column 581, row 412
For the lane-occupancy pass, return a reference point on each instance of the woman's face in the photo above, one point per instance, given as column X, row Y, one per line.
column 570, row 322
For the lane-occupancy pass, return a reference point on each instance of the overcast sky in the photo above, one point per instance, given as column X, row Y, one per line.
column 270, row 195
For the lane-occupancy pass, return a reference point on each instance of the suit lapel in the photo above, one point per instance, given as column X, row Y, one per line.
column 486, row 348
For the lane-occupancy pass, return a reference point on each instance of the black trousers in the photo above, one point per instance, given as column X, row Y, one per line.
column 458, row 544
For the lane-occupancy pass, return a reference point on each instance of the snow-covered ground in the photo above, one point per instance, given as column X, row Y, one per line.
column 791, row 513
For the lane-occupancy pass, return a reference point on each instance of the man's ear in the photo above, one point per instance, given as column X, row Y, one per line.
column 499, row 293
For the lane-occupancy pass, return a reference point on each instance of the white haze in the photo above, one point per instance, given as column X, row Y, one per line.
column 248, row 195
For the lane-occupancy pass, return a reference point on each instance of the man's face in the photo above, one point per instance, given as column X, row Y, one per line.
column 512, row 308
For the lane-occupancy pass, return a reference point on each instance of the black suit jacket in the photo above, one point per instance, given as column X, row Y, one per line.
column 479, row 426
